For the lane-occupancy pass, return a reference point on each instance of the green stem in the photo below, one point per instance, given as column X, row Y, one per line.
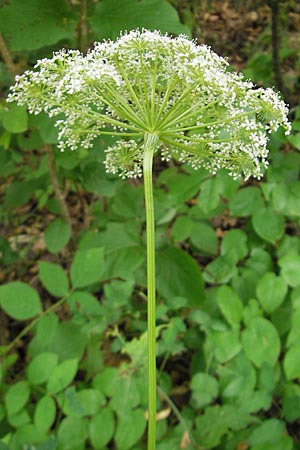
column 150, row 141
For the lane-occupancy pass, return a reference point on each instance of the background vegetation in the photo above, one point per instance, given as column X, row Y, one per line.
column 72, row 251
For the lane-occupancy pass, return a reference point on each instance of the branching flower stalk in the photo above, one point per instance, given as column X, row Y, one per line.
column 155, row 94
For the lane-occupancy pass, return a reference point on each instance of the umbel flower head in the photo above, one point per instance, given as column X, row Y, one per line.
column 146, row 82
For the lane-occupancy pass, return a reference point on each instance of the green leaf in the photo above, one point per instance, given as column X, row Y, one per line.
column 220, row 271
column 215, row 423
column 20, row 301
column 261, row 342
column 14, row 117
column 291, row 362
column 291, row 402
column 16, row 397
column 87, row 267
column 246, row 201
column 54, row 278
column 268, row 225
column 234, row 245
column 85, row 303
column 182, row 228
column 46, row 127
column 238, row 379
column 44, row 414
column 41, row 366
column 101, row 428
column 69, row 341
column 28, row 435
column 204, row 389
column 204, row 238
column 179, row 275
column 72, row 433
column 130, row 428
column 108, row 381
column 271, row 291
column 224, row 344
column 209, row 197
column 91, row 401
column 290, row 268
column 57, row 235
column 270, row 431
column 62, row 375
column 112, row 16
column 50, row 21
column 230, row 305
column 286, row 198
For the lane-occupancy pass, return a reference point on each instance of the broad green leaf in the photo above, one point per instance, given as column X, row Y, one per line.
column 62, row 375
column 290, row 268
column 53, row 278
column 209, row 197
column 85, row 303
column 234, row 245
column 112, row 16
column 204, row 238
column 220, row 271
column 182, row 228
column 41, row 367
column 215, row 423
column 224, row 344
column 57, row 235
column 20, row 301
column 44, row 414
column 71, row 405
column 68, row 341
column 29, row 435
column 19, row 419
column 18, row 193
column 271, row 291
column 45, row 331
column 108, row 381
column 72, row 433
column 246, row 201
column 101, row 428
column 130, row 428
column 261, row 342
column 230, row 305
column 87, row 267
column 291, row 402
column 268, row 225
column 238, row 379
column 178, row 274
column 119, row 291
column 46, row 127
column 16, row 397
column 204, row 389
column 95, row 180
column 91, row 401
column 14, row 117
column 128, row 388
column 270, row 431
column 291, row 362
column 50, row 21
column 286, row 198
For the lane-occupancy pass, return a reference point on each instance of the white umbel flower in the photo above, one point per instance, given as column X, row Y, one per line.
column 146, row 82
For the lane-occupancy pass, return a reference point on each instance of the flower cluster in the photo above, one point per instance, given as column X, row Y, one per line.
column 146, row 82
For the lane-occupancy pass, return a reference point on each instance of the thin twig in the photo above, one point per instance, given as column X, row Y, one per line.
column 11, row 66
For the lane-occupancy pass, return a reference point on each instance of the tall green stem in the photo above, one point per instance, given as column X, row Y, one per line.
column 150, row 141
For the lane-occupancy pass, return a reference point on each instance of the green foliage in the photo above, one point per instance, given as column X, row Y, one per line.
column 228, row 264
